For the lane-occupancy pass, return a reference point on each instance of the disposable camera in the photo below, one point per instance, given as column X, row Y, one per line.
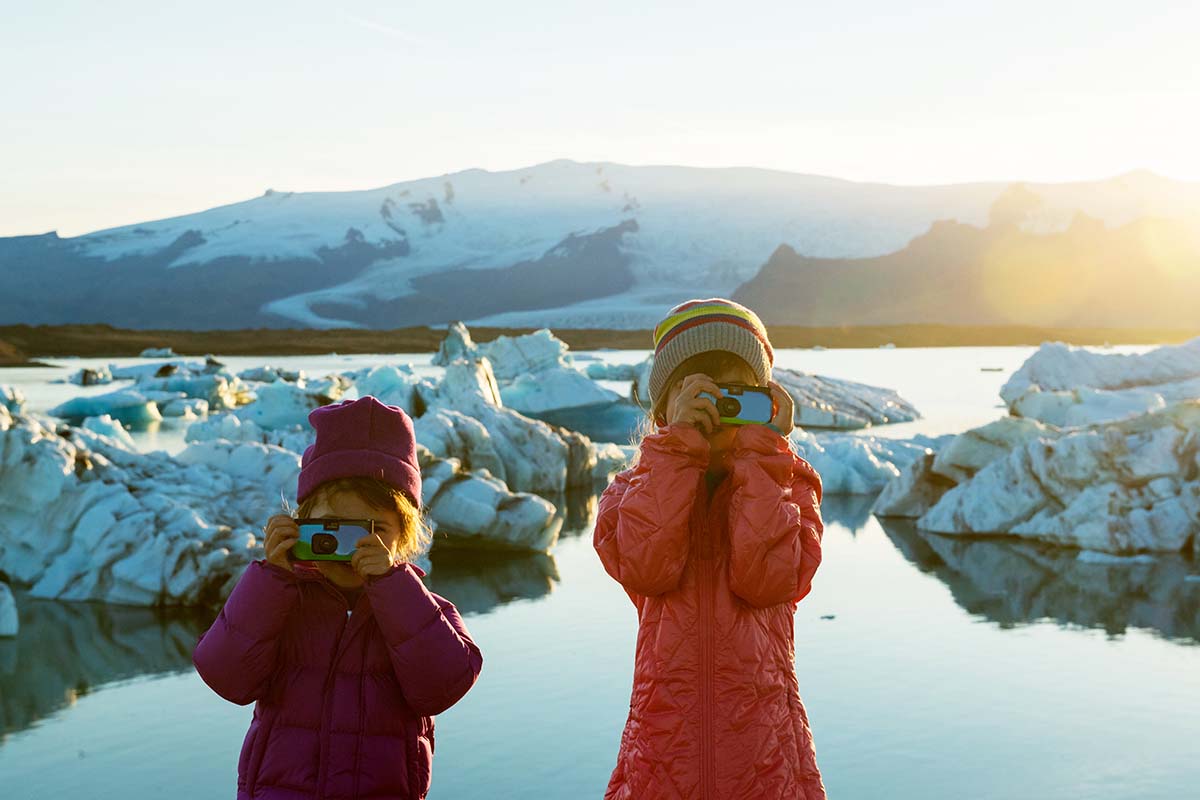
column 330, row 539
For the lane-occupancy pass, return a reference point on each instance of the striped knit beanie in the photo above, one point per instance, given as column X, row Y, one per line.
column 713, row 324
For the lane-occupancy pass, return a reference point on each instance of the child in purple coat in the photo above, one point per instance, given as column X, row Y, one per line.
column 346, row 663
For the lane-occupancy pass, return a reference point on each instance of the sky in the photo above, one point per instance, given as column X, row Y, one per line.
column 121, row 112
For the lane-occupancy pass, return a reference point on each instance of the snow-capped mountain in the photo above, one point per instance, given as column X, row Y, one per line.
column 563, row 244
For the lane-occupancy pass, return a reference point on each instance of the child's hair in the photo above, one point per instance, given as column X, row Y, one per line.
column 415, row 535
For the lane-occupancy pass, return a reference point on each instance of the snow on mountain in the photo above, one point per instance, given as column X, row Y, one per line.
column 562, row 243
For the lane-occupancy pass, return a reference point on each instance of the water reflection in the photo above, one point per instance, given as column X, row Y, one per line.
column 479, row 581
column 1011, row 581
column 64, row 650
column 851, row 511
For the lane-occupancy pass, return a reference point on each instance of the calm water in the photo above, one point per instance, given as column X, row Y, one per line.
column 931, row 667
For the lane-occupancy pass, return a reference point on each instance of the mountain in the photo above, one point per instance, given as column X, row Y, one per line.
column 563, row 243
column 1144, row 273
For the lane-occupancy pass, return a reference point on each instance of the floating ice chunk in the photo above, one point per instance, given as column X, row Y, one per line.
column 107, row 426
column 477, row 510
column 186, row 408
column 851, row 464
column 9, row 621
column 279, row 405
column 157, row 352
column 1117, row 487
column 232, row 429
column 126, row 406
column 1059, row 367
column 457, row 345
column 510, row 355
column 217, row 390
column 269, row 374
column 554, row 389
column 969, row 452
column 11, row 398
column 606, row 371
column 822, row 402
column 88, row 376
column 392, row 385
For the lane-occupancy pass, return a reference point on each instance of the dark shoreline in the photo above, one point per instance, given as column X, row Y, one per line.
column 20, row 345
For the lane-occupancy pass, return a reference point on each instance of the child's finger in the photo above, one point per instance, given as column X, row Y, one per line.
column 708, row 408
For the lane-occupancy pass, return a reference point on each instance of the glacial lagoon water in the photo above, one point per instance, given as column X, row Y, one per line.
column 931, row 667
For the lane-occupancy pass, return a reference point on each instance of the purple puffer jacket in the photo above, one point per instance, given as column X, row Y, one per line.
column 344, row 703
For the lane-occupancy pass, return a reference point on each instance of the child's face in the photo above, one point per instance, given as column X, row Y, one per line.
column 348, row 505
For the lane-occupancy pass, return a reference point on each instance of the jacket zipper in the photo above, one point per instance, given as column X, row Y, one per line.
column 704, row 580
column 326, row 706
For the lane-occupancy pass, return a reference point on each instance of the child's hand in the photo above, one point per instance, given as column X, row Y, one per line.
column 686, row 406
column 282, row 533
column 786, row 409
column 371, row 556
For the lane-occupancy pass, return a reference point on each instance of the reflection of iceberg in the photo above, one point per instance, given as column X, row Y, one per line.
column 1013, row 581
column 851, row 511
column 477, row 582
column 65, row 650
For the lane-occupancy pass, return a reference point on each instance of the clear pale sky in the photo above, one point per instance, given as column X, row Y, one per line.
column 120, row 112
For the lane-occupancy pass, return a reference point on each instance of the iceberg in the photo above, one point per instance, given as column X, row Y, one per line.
column 88, row 376
column 11, row 398
column 127, row 406
column 281, row 405
column 157, row 352
column 852, row 464
column 84, row 517
column 270, row 374
column 185, row 408
column 822, row 402
column 527, row 454
column 1119, row 487
column 511, row 356
column 1071, row 386
column 606, row 371
column 555, row 389
column 392, row 385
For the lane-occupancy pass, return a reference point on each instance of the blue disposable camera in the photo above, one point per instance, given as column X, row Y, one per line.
column 330, row 539
column 743, row 404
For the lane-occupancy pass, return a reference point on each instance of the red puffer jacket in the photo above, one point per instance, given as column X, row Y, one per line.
column 716, row 711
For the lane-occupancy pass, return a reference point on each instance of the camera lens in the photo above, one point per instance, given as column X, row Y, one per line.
column 323, row 544
column 728, row 407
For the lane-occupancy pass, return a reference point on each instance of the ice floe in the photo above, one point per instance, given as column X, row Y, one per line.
column 1119, row 487
column 124, row 405
column 1069, row 386
column 855, row 464
column 11, row 398
column 822, row 402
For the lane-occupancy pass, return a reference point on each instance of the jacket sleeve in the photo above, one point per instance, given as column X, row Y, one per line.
column 775, row 525
column 432, row 654
column 237, row 655
column 642, row 525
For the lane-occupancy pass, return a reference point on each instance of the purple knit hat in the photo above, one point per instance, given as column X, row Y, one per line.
column 361, row 438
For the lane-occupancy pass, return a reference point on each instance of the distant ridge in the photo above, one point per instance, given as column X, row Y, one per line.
column 566, row 244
